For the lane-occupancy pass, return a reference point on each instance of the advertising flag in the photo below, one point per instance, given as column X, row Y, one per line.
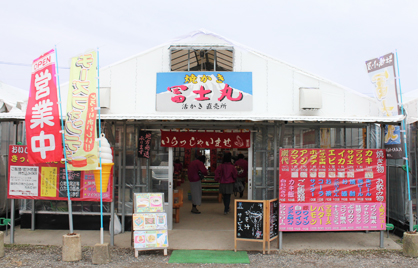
column 382, row 75
column 80, row 125
column 42, row 114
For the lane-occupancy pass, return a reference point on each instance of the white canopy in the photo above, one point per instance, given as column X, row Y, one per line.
column 13, row 101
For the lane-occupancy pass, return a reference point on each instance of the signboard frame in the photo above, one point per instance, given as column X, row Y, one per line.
column 145, row 212
column 268, row 223
column 265, row 212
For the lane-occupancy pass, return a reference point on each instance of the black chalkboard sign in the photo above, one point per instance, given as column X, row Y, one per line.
column 74, row 178
column 274, row 218
column 144, row 144
column 250, row 220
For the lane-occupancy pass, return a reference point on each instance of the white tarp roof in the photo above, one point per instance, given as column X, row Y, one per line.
column 13, row 101
column 357, row 107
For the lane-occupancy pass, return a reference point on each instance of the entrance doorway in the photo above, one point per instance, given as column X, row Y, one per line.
column 212, row 208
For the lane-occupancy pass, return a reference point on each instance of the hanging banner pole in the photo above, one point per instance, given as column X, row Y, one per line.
column 100, row 149
column 70, row 210
column 411, row 222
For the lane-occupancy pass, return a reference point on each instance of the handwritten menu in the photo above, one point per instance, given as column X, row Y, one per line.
column 73, row 181
column 274, row 218
column 250, row 220
column 144, row 144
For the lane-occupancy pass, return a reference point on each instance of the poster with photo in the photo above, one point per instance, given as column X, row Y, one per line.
column 150, row 239
column 150, row 221
column 148, row 202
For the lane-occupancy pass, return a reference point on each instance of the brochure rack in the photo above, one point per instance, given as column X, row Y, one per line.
column 149, row 223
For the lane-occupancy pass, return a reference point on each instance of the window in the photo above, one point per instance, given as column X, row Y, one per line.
column 186, row 59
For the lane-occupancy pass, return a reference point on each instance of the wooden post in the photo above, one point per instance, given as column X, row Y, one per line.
column 235, row 226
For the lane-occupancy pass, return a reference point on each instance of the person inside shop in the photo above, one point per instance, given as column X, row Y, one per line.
column 178, row 167
column 195, row 167
column 243, row 173
column 226, row 174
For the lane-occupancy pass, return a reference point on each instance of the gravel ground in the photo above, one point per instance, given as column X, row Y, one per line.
column 50, row 256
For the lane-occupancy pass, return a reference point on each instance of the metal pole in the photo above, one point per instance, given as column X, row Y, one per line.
column 32, row 222
column 275, row 161
column 7, row 173
column 382, row 146
column 411, row 218
column 112, row 204
column 381, row 239
column 251, row 167
column 12, row 217
column 100, row 148
column 280, row 240
column 123, row 176
column 70, row 206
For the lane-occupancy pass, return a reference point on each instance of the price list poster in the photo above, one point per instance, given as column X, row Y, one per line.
column 332, row 189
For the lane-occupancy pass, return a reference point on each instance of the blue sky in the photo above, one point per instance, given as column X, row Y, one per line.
column 331, row 39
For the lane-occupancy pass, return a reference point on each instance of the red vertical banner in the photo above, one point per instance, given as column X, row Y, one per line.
column 89, row 135
column 42, row 114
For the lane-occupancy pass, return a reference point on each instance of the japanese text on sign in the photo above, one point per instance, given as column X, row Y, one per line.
column 42, row 117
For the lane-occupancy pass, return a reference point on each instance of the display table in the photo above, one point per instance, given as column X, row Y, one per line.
column 210, row 187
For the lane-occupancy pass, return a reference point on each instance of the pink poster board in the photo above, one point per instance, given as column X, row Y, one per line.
column 296, row 217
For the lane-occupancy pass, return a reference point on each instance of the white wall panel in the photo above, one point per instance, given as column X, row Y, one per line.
column 275, row 85
column 280, row 86
column 122, row 87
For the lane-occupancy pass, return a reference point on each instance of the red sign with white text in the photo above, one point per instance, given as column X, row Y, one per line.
column 210, row 140
column 332, row 175
column 42, row 115
column 47, row 181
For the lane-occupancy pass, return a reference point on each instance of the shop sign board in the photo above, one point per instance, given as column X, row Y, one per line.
column 46, row 181
column 80, row 125
column 42, row 116
column 382, row 75
column 211, row 92
column 208, row 140
column 322, row 187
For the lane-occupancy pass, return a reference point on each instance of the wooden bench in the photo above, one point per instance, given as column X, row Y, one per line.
column 177, row 204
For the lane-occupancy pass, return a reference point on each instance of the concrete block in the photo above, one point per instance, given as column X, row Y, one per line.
column 410, row 244
column 71, row 247
column 1, row 244
column 101, row 253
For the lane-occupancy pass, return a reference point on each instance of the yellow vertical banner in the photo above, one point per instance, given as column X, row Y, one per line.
column 49, row 182
column 80, row 125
